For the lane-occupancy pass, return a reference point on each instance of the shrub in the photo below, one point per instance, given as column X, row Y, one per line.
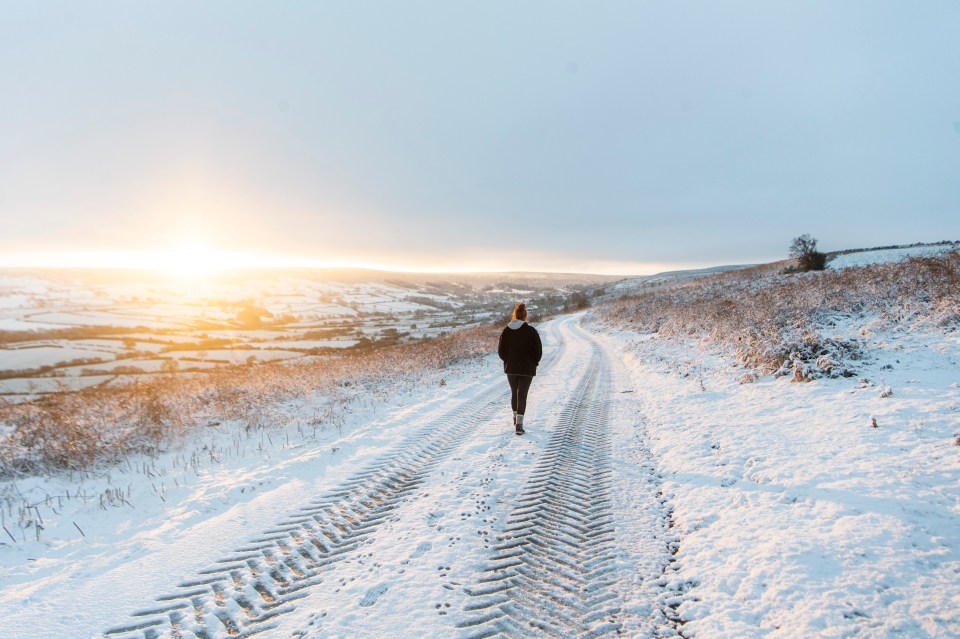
column 804, row 249
column 812, row 261
column 579, row 301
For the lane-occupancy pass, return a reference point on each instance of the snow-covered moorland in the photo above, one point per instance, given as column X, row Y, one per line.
column 667, row 485
column 792, row 324
column 822, row 509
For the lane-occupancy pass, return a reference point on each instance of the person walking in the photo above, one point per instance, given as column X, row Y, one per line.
column 520, row 349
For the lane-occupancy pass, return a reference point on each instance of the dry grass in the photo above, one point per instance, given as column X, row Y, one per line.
column 774, row 323
column 78, row 430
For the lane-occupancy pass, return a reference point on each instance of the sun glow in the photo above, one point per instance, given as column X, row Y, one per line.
column 191, row 260
column 186, row 260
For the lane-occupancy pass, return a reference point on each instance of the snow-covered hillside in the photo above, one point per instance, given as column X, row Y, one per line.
column 645, row 283
column 654, row 495
column 758, row 455
column 882, row 256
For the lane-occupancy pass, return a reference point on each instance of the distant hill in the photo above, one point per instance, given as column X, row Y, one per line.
column 646, row 283
column 518, row 279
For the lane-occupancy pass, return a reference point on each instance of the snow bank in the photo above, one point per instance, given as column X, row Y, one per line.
column 797, row 517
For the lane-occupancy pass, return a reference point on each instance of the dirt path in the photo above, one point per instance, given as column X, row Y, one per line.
column 463, row 530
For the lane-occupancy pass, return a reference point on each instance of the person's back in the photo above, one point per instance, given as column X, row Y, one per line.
column 520, row 349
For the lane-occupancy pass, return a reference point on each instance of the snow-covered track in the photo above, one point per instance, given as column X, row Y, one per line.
column 553, row 571
column 245, row 590
column 243, row 593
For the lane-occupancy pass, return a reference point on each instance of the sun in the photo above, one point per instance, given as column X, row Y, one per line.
column 191, row 260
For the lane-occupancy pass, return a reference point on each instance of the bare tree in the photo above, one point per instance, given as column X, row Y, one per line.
column 804, row 249
column 803, row 245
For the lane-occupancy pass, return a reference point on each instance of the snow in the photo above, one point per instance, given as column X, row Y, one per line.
column 790, row 516
column 140, row 546
column 21, row 284
column 21, row 358
column 315, row 343
column 797, row 518
column 639, row 284
column 164, row 339
column 24, row 387
column 306, row 304
column 882, row 256
column 145, row 365
column 238, row 335
column 118, row 346
column 17, row 324
column 14, row 301
column 64, row 320
column 235, row 356
column 388, row 306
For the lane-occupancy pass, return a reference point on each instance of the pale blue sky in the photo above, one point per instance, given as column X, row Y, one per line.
column 601, row 136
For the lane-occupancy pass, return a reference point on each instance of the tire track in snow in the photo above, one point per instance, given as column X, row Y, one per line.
column 417, row 565
column 559, row 568
column 648, row 540
column 244, row 593
column 554, row 572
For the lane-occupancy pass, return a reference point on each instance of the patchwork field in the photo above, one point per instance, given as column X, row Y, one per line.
column 64, row 330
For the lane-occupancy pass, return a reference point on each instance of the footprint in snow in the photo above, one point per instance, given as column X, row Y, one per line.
column 373, row 594
column 420, row 550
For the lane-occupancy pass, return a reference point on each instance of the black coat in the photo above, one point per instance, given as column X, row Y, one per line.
column 520, row 349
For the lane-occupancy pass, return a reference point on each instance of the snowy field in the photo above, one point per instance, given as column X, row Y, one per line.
column 20, row 324
column 32, row 386
column 654, row 496
column 882, row 256
column 35, row 357
column 254, row 315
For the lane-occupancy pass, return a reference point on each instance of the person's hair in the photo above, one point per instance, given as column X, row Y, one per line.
column 520, row 311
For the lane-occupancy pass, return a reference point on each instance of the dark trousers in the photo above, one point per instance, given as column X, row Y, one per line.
column 519, row 387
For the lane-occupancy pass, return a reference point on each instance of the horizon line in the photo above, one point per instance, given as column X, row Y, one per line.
column 192, row 260
column 329, row 267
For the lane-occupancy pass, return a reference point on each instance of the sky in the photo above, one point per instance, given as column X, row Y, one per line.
column 605, row 137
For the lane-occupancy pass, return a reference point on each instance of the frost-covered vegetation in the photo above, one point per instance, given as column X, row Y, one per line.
column 783, row 323
column 103, row 424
